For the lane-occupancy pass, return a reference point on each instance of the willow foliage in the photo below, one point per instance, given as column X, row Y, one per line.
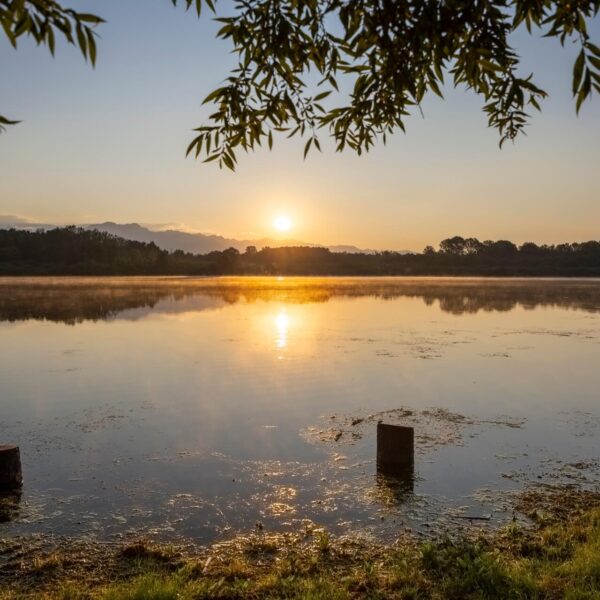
column 354, row 68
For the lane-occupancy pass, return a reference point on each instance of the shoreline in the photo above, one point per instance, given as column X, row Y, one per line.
column 556, row 555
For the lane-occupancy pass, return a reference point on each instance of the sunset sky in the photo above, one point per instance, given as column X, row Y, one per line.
column 109, row 143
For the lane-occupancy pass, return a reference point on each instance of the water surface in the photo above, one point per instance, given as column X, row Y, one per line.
column 199, row 407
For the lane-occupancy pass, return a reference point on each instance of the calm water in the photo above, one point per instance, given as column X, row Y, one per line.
column 197, row 407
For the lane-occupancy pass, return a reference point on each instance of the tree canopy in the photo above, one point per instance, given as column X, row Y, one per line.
column 44, row 20
column 353, row 68
column 76, row 251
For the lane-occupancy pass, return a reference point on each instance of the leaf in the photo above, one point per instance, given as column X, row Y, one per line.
column 4, row 122
column 88, row 18
column 51, row 42
column 91, row 47
column 578, row 71
column 585, row 90
column 490, row 66
column 307, row 147
column 213, row 95
column 534, row 103
column 321, row 96
column 228, row 162
column 82, row 40
column 434, row 87
column 195, row 143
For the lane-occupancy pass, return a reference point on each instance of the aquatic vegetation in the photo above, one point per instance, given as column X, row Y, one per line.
column 556, row 557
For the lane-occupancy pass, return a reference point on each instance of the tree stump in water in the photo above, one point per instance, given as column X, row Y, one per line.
column 395, row 449
column 11, row 476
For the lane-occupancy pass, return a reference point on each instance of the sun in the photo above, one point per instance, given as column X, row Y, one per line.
column 282, row 223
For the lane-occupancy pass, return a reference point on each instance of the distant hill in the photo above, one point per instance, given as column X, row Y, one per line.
column 196, row 243
column 200, row 243
column 173, row 239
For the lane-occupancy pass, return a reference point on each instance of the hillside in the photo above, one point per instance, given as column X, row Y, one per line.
column 175, row 239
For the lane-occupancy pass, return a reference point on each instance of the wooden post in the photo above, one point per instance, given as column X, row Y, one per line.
column 395, row 449
column 11, row 476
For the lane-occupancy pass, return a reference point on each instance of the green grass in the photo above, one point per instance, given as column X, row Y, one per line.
column 553, row 560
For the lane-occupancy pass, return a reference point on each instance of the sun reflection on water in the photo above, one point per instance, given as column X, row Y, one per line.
column 282, row 322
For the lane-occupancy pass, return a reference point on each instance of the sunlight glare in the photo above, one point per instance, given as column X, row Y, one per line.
column 282, row 223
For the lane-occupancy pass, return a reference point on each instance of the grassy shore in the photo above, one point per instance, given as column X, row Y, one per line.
column 556, row 557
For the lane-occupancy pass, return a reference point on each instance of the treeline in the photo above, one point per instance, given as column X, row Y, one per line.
column 75, row 251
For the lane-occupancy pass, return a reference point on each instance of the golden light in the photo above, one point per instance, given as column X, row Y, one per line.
column 282, row 223
column 282, row 323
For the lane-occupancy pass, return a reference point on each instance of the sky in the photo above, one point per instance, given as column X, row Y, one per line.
column 109, row 144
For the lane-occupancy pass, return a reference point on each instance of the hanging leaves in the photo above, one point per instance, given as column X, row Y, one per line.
column 43, row 20
column 385, row 57
column 368, row 63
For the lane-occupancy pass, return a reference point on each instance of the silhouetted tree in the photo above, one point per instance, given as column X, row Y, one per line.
column 529, row 248
column 472, row 246
column 454, row 245
column 500, row 248
column 70, row 250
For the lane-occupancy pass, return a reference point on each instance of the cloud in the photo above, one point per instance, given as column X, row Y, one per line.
column 10, row 221
column 15, row 220
column 171, row 227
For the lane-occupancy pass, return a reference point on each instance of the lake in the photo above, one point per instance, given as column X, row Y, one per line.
column 196, row 408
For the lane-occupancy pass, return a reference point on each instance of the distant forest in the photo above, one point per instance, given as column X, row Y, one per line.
column 75, row 251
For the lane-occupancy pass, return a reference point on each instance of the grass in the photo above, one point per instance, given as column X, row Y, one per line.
column 556, row 558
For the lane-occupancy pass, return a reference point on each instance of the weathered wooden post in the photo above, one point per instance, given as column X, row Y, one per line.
column 395, row 449
column 11, row 476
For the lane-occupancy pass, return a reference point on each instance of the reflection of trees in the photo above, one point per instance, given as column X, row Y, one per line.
column 73, row 300
column 71, row 304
